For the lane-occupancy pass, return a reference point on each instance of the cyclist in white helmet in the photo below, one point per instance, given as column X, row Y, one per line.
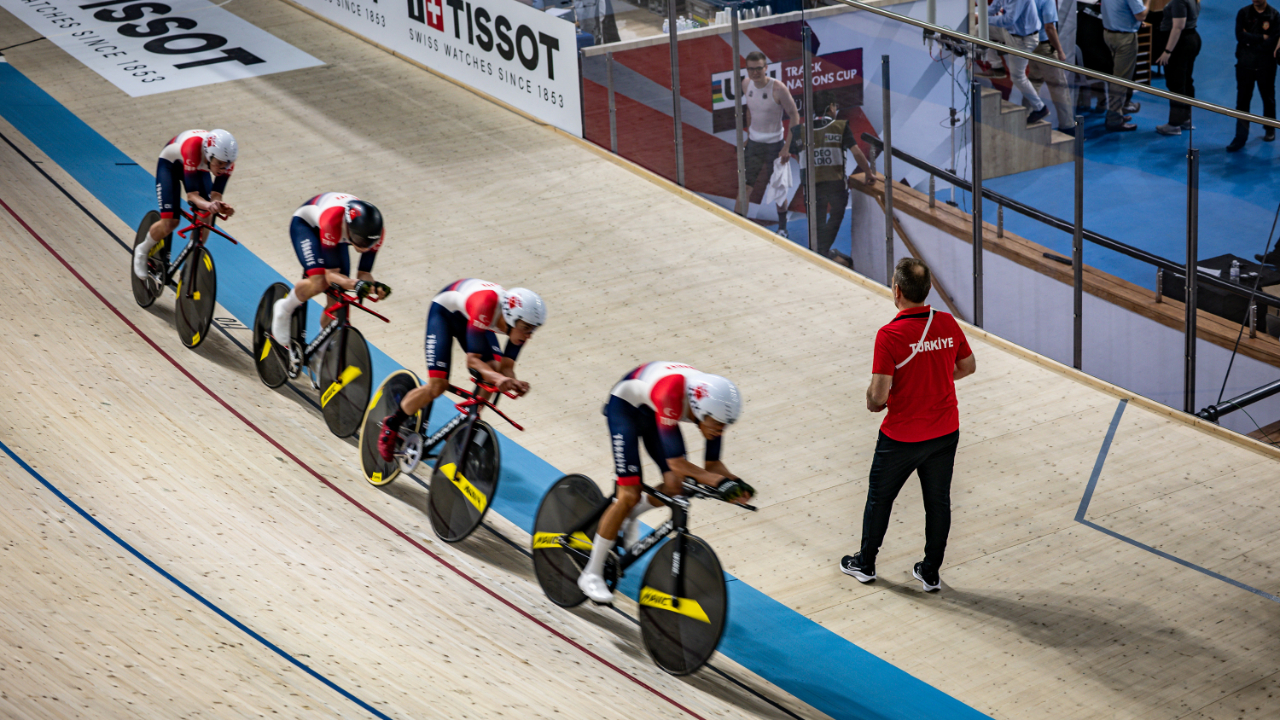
column 472, row 312
column 649, row 404
column 201, row 161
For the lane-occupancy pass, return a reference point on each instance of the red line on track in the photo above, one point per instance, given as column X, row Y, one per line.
column 329, row 484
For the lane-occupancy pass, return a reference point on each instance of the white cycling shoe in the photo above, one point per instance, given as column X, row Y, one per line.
column 595, row 588
column 140, row 254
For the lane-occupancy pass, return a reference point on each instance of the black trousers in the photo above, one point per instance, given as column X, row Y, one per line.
column 1261, row 72
column 894, row 462
column 1182, row 63
column 833, row 196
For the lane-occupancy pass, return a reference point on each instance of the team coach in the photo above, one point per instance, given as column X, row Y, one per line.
column 918, row 357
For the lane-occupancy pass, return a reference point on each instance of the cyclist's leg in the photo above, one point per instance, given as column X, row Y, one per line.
column 167, row 195
column 442, row 327
column 314, row 259
column 624, row 436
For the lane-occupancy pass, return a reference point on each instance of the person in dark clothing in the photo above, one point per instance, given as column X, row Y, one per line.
column 1257, row 30
column 831, row 138
column 1094, row 55
column 1179, row 55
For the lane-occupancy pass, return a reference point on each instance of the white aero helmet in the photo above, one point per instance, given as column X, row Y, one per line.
column 221, row 145
column 523, row 304
column 714, row 396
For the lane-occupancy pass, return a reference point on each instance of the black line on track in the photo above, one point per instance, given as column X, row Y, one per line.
column 311, row 401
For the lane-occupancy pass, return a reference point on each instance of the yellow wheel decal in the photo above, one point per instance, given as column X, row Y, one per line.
column 658, row 599
column 196, row 339
column 377, row 478
column 195, row 295
column 349, row 375
column 472, row 494
column 208, row 263
column 266, row 349
column 546, row 540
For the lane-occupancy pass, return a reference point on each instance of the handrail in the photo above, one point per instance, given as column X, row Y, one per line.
column 1213, row 412
column 1060, row 224
column 1067, row 67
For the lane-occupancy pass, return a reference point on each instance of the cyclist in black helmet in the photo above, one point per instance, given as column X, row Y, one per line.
column 319, row 229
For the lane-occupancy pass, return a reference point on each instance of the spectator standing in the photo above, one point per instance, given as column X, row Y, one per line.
column 1021, row 25
column 918, row 357
column 1050, row 46
column 765, row 100
column 1121, row 20
column 831, row 182
column 1257, row 31
column 1179, row 55
column 1094, row 55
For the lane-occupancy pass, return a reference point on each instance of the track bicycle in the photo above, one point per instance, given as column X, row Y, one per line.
column 197, row 284
column 337, row 360
column 465, row 477
column 684, row 600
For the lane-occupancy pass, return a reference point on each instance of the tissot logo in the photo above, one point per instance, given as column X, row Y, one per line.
column 488, row 32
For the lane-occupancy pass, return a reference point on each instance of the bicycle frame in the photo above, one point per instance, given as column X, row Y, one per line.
column 197, row 241
column 469, row 411
column 339, row 314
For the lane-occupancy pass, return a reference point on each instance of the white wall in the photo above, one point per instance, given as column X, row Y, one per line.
column 1034, row 311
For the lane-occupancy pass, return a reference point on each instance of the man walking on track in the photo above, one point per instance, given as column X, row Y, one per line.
column 918, row 357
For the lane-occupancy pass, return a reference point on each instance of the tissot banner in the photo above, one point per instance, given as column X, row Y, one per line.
column 504, row 48
column 148, row 47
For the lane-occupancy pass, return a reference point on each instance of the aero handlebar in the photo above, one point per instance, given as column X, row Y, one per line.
column 198, row 224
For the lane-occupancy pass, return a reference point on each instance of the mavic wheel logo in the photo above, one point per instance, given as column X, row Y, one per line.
column 650, row 597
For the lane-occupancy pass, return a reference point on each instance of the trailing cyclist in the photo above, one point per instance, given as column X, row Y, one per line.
column 648, row 404
column 471, row 312
column 202, row 162
column 319, row 229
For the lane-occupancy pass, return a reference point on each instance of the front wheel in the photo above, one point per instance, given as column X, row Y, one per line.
column 462, row 488
column 346, row 379
column 682, row 629
column 196, row 296
column 271, row 360
column 557, row 559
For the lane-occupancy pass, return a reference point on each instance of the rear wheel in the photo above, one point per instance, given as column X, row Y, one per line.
column 557, row 562
column 271, row 360
column 681, row 631
column 346, row 379
column 197, row 295
column 145, row 292
column 461, row 492
column 385, row 401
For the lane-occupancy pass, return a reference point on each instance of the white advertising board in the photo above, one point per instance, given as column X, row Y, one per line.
column 503, row 48
column 148, row 47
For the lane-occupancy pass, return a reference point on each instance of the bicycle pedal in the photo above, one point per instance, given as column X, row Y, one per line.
column 295, row 363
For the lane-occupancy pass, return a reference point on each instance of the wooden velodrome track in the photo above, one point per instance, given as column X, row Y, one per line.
column 1142, row 610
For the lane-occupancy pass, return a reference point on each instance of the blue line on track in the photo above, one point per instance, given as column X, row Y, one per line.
column 1088, row 497
column 185, row 588
column 768, row 638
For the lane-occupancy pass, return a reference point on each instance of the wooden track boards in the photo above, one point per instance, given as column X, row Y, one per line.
column 1042, row 617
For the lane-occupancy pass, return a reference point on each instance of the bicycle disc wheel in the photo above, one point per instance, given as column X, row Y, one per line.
column 346, row 379
column 570, row 499
column 272, row 361
column 681, row 636
column 143, row 292
column 460, row 496
column 193, row 314
column 385, row 401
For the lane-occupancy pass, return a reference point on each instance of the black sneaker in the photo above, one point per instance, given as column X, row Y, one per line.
column 854, row 565
column 1038, row 115
column 1236, row 145
column 932, row 584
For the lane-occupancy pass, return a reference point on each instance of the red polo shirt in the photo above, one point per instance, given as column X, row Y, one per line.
column 922, row 401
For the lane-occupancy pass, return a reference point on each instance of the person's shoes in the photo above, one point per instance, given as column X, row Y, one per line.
column 1068, row 131
column 931, row 582
column 1122, row 127
column 854, row 565
column 1187, row 126
column 140, row 254
column 1236, row 145
column 783, row 233
column 595, row 588
column 994, row 73
column 1132, row 107
column 1038, row 115
column 1169, row 129
column 387, row 440
column 1269, row 135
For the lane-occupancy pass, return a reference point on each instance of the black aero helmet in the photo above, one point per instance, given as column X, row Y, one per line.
column 364, row 224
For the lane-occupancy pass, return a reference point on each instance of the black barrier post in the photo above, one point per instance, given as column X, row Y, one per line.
column 975, row 121
column 1077, row 252
column 1193, row 223
column 613, row 108
column 810, row 185
column 887, row 114
column 736, row 84
column 675, row 91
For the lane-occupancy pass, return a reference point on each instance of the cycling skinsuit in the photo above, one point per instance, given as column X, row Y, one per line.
column 183, row 161
column 467, row 311
column 318, row 233
column 648, row 404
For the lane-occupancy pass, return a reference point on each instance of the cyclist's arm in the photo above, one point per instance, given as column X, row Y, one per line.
column 486, row 370
column 715, row 466
column 683, row 468
column 196, row 201
column 334, row 276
